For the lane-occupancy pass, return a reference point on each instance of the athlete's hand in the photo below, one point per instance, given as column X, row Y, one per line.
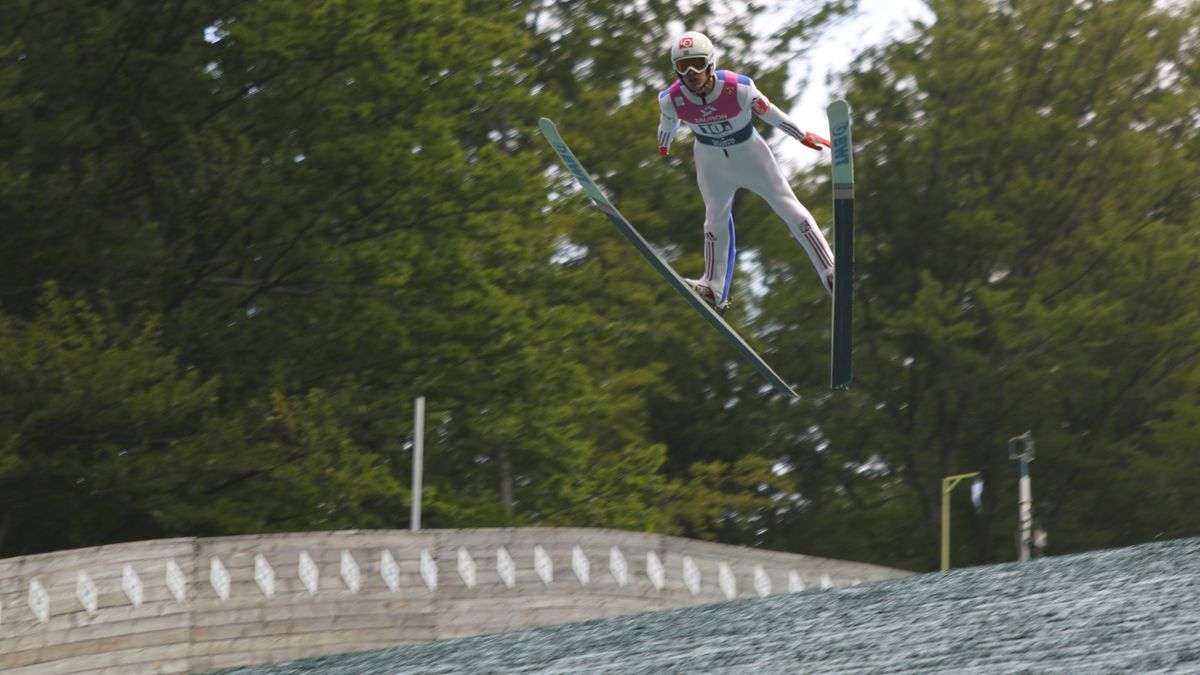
column 662, row 151
column 814, row 141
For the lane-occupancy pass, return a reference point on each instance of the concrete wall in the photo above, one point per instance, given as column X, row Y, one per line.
column 182, row 605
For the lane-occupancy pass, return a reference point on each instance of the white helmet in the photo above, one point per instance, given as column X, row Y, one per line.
column 692, row 45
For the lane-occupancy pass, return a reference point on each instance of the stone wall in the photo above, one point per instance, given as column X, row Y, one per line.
column 184, row 605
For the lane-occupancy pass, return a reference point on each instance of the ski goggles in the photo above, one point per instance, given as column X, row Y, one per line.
column 686, row 65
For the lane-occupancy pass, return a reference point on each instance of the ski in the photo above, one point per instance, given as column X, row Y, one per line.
column 602, row 202
column 842, row 347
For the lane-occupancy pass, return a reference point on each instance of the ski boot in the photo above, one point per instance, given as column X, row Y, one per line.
column 707, row 295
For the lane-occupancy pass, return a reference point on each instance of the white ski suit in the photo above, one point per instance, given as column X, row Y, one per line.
column 730, row 154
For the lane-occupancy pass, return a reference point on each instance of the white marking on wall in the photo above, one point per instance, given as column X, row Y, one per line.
column 762, row 582
column 691, row 575
column 131, row 583
column 39, row 601
column 654, row 570
column 264, row 576
column 618, row 566
column 310, row 576
column 543, row 565
column 581, row 566
column 176, row 582
column 218, row 576
column 505, row 567
column 466, row 567
column 795, row 583
column 351, row 574
column 429, row 570
column 85, row 591
column 389, row 570
column 726, row 580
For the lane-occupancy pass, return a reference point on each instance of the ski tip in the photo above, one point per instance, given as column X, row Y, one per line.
column 545, row 123
column 838, row 104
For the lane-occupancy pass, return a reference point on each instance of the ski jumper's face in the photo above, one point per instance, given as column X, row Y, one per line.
column 696, row 81
column 695, row 71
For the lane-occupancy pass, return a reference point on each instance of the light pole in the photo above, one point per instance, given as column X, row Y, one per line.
column 418, row 466
column 1021, row 448
column 948, row 484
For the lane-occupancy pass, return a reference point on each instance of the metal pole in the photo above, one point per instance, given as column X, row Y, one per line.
column 948, row 484
column 945, row 525
column 1026, row 512
column 1021, row 448
column 418, row 461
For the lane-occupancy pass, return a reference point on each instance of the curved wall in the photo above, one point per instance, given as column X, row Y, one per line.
column 185, row 605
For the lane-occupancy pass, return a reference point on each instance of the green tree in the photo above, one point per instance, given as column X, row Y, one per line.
column 320, row 212
column 324, row 211
column 1028, row 175
column 99, row 426
column 239, row 242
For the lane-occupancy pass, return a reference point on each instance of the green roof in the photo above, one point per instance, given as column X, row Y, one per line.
column 1125, row 610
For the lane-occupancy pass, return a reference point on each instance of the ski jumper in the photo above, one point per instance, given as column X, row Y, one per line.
column 730, row 154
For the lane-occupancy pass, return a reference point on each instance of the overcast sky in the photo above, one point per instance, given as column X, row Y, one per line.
column 876, row 22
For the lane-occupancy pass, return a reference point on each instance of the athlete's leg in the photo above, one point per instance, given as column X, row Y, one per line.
column 717, row 185
column 768, row 181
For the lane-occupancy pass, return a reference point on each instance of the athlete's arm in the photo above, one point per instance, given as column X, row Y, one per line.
column 781, row 120
column 668, row 124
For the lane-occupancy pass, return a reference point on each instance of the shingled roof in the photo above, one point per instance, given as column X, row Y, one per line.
column 1125, row 610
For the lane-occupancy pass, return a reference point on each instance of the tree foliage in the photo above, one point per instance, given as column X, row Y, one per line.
column 239, row 241
column 1027, row 259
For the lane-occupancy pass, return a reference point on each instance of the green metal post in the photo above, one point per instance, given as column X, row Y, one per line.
column 948, row 484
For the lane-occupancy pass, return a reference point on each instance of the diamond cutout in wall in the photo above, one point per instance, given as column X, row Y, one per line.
column 466, row 567
column 218, row 576
column 691, row 575
column 762, row 582
column 429, row 570
column 795, row 583
column 351, row 574
column 654, row 570
column 505, row 567
column 581, row 566
column 543, row 565
column 39, row 601
column 176, row 581
column 389, row 570
column 727, row 581
column 310, row 576
column 617, row 565
column 85, row 590
column 131, row 583
column 264, row 575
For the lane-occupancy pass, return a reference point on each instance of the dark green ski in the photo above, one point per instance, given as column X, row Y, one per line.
column 603, row 203
column 842, row 347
